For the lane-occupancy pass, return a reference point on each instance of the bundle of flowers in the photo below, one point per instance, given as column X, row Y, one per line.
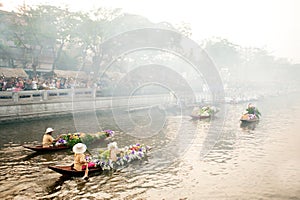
column 253, row 111
column 60, row 142
column 71, row 139
column 90, row 138
column 124, row 156
column 109, row 133
column 246, row 116
column 208, row 110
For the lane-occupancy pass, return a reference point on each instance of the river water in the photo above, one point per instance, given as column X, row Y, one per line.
column 261, row 161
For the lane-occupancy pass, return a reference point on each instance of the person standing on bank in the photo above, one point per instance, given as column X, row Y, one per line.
column 47, row 138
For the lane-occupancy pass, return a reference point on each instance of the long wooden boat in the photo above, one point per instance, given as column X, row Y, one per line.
column 40, row 148
column 69, row 171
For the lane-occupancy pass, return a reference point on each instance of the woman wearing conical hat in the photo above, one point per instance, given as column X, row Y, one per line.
column 47, row 138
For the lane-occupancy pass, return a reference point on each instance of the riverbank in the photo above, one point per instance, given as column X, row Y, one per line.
column 52, row 103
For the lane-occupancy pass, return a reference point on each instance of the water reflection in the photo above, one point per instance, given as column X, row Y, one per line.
column 243, row 165
column 248, row 125
column 56, row 186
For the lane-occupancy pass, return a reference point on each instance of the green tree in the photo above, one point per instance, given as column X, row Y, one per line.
column 91, row 33
column 44, row 31
column 223, row 52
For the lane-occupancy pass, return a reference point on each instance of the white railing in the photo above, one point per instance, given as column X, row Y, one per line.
column 45, row 95
column 33, row 96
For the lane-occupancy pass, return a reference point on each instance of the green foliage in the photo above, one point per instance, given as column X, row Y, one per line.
column 88, row 139
column 223, row 52
column 73, row 39
column 254, row 111
column 103, row 154
column 67, row 62
column 208, row 110
column 72, row 139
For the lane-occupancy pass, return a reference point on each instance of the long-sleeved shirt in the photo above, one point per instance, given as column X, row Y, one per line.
column 47, row 140
column 79, row 161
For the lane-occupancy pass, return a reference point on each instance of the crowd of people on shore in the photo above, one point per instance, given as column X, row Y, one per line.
column 43, row 83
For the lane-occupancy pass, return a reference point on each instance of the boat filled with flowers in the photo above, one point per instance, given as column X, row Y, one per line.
column 109, row 159
column 251, row 114
column 67, row 141
column 204, row 112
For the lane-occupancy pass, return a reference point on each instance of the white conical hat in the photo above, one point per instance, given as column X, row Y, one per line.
column 48, row 130
column 112, row 145
column 79, row 148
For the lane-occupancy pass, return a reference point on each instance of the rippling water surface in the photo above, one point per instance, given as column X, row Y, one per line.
column 261, row 161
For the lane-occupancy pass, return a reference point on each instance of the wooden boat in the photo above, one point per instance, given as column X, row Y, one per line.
column 69, row 171
column 246, row 119
column 40, row 148
column 200, row 116
column 205, row 112
column 249, row 120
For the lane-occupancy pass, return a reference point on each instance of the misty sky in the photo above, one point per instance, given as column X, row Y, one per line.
column 270, row 24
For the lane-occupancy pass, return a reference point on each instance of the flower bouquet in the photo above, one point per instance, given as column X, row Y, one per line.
column 107, row 161
column 71, row 139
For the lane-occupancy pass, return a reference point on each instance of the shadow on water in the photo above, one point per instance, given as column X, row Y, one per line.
column 46, row 155
column 30, row 156
column 248, row 125
column 56, row 186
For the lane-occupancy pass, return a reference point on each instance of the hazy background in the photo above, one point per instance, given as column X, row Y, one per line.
column 269, row 24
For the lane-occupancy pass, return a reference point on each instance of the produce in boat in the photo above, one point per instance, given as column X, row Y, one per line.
column 67, row 141
column 204, row 112
column 109, row 159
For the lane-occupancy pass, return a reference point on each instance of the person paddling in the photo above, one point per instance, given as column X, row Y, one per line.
column 80, row 162
column 48, row 139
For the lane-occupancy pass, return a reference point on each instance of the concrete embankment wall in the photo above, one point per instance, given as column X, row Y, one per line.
column 37, row 104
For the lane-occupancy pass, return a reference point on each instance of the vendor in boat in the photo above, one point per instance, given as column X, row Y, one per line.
column 48, row 140
column 113, row 151
column 80, row 161
column 251, row 112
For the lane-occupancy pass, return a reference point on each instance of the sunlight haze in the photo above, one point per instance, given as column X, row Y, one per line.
column 269, row 24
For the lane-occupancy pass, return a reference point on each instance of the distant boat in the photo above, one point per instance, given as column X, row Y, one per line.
column 251, row 114
column 200, row 116
column 249, row 118
column 204, row 113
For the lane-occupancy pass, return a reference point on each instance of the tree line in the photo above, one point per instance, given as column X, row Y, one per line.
column 65, row 38
column 72, row 40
